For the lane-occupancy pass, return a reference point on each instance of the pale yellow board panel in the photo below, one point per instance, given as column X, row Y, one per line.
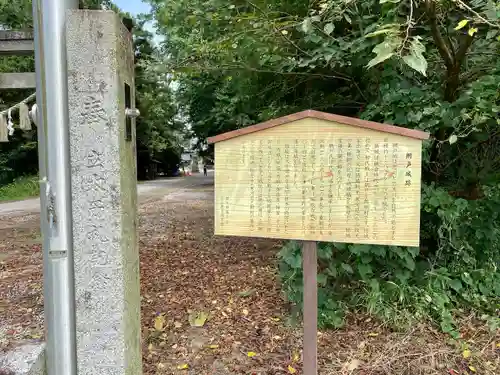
column 318, row 180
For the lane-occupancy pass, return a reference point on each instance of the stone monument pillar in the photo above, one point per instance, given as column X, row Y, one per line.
column 104, row 193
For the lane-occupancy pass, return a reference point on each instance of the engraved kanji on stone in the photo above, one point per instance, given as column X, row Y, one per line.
column 93, row 110
column 94, row 159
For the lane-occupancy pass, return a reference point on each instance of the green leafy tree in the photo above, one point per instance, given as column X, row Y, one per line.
column 426, row 64
column 157, row 131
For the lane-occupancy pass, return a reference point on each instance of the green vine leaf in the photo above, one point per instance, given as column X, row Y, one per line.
column 384, row 51
column 306, row 25
column 329, row 27
column 384, row 30
column 416, row 59
column 491, row 34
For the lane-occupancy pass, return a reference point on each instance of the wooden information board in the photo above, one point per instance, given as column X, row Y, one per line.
column 316, row 179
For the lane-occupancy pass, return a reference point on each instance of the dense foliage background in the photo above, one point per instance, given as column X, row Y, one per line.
column 160, row 136
column 424, row 64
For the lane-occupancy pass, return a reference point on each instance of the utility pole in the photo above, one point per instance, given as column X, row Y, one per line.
column 49, row 18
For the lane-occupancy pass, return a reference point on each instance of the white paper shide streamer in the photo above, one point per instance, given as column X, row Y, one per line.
column 4, row 133
column 24, row 117
column 10, row 123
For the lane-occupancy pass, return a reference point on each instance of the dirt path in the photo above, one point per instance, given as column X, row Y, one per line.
column 145, row 191
column 212, row 305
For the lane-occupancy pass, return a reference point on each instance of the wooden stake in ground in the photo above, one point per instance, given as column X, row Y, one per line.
column 309, row 268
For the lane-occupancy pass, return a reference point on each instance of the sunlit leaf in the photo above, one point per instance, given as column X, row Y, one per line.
column 453, row 139
column 384, row 51
column 184, row 366
column 466, row 353
column 291, row 370
column 329, row 27
column 472, row 31
column 246, row 293
column 251, row 354
column 382, row 32
column 416, row 59
column 159, row 322
column 306, row 25
column 417, row 63
column 461, row 24
column 353, row 365
column 472, row 368
column 198, row 319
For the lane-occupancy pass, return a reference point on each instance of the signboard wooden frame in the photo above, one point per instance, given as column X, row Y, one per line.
column 315, row 176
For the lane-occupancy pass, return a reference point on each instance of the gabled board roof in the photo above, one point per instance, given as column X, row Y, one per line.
column 411, row 133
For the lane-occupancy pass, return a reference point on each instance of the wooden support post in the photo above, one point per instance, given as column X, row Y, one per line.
column 16, row 42
column 310, row 268
column 9, row 81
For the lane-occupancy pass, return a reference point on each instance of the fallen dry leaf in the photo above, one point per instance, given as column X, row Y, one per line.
column 353, row 365
column 466, row 353
column 246, row 293
column 251, row 354
column 159, row 322
column 198, row 319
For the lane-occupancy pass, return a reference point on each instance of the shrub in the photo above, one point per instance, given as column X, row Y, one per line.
column 457, row 275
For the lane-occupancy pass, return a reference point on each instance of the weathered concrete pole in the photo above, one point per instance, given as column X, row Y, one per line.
column 104, row 194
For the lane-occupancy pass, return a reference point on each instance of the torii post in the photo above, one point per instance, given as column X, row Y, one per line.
column 49, row 20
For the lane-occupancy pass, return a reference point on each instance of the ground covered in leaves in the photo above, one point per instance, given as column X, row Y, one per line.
column 213, row 305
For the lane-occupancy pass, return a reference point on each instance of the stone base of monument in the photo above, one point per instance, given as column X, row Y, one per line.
column 27, row 359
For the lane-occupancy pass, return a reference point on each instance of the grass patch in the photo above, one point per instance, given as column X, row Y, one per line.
column 21, row 188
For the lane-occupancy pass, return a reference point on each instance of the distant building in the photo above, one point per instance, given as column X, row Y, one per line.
column 191, row 162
